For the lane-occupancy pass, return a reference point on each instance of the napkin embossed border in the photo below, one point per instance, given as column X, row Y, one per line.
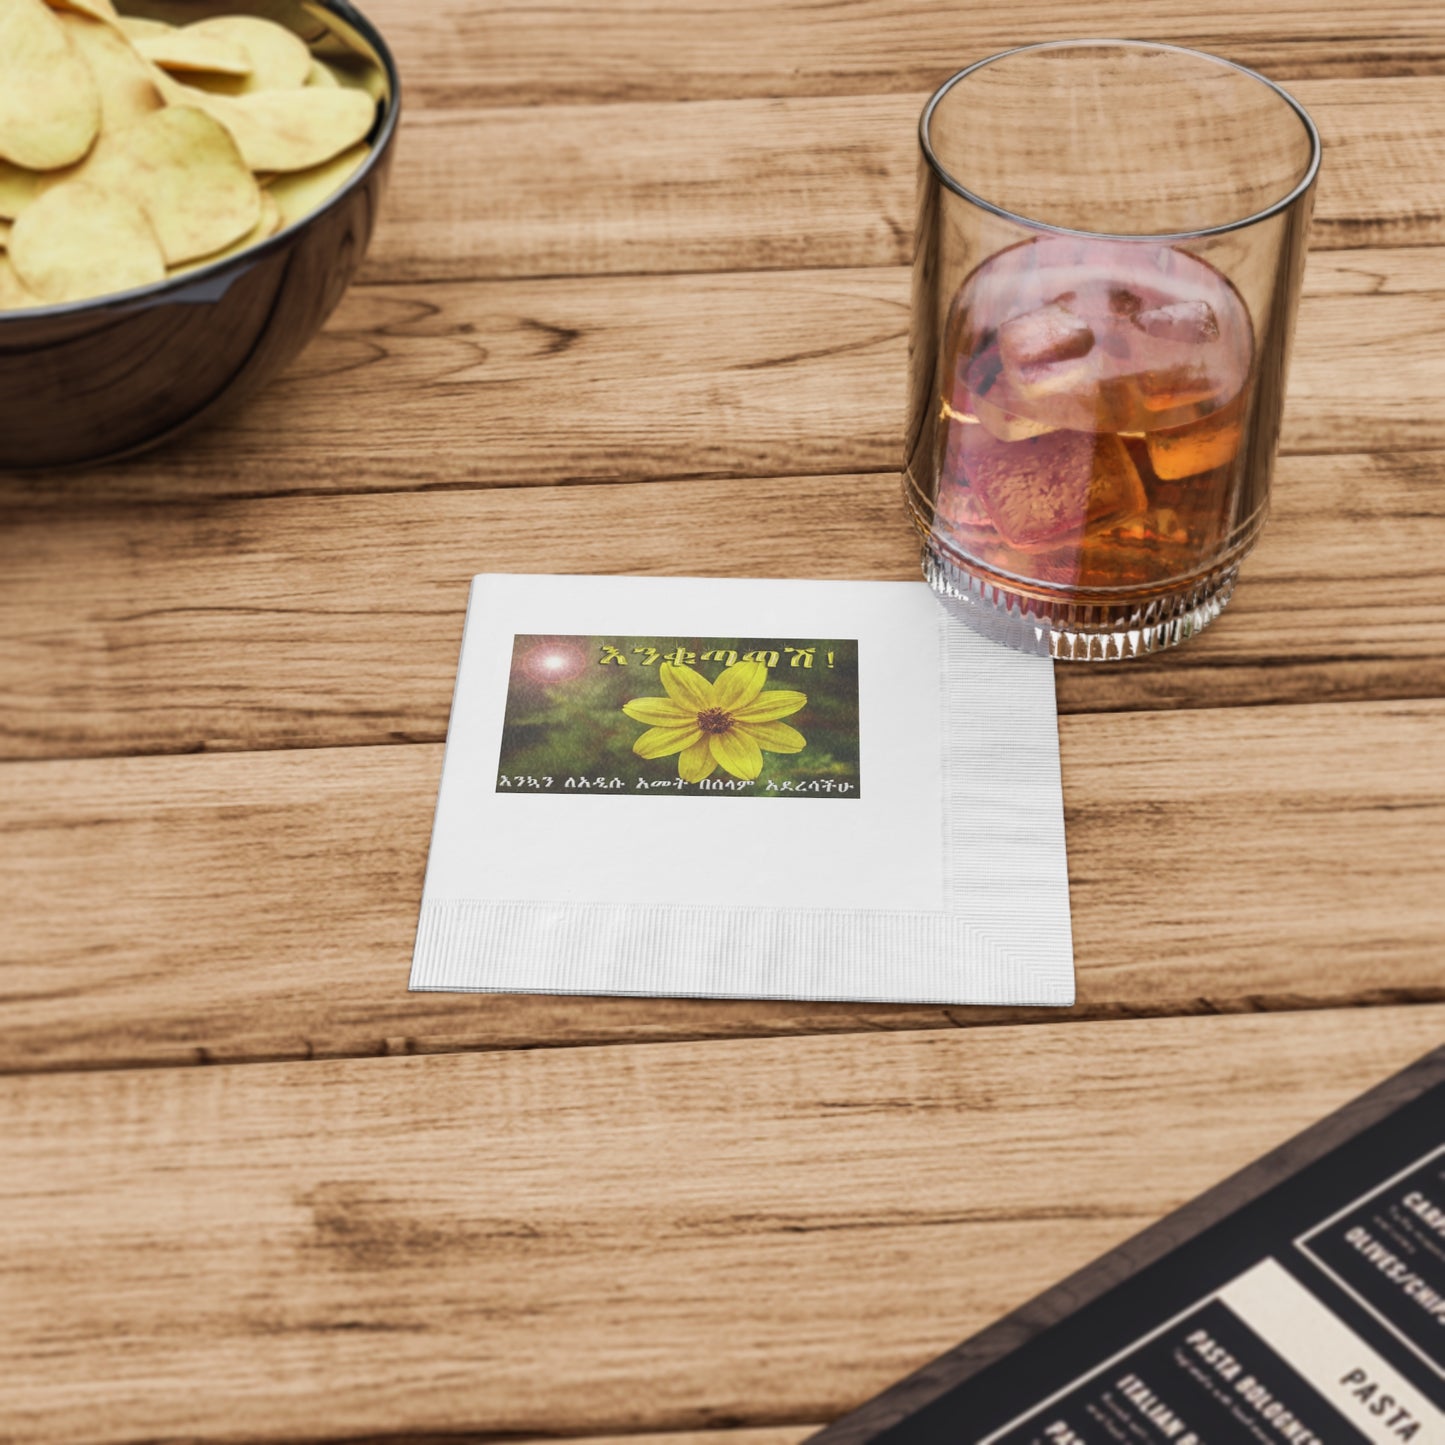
column 936, row 873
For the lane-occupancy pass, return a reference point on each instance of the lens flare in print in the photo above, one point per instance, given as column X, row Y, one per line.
column 553, row 662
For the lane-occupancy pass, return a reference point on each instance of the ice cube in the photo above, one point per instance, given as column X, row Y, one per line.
column 1054, row 369
column 1169, row 377
column 1172, row 388
column 983, row 371
column 1042, row 491
column 1185, row 451
column 1114, row 343
column 1006, row 425
column 1042, row 337
column 1123, row 302
column 1126, row 379
column 990, row 399
column 1169, row 527
column 960, row 510
column 1192, row 322
column 1089, row 393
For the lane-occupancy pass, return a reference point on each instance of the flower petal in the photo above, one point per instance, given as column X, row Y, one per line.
column 696, row 762
column 686, row 688
column 661, row 711
column 774, row 737
column 663, row 742
column 738, row 685
column 737, row 752
column 769, row 705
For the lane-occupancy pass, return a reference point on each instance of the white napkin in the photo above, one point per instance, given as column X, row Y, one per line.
column 635, row 801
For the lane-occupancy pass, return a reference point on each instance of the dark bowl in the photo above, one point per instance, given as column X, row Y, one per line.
column 98, row 379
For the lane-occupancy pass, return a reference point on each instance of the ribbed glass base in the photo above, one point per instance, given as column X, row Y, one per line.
column 1077, row 631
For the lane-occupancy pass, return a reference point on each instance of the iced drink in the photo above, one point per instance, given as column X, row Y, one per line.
column 1094, row 407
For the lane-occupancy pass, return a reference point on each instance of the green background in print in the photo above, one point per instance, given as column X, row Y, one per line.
column 566, row 732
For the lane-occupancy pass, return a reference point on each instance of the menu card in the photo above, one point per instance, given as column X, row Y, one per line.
column 1302, row 1302
column 745, row 788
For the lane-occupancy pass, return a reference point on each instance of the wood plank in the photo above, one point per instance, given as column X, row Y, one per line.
column 686, row 1236
column 725, row 185
column 456, row 53
column 1375, row 272
column 714, row 1435
column 642, row 378
column 262, row 906
column 306, row 622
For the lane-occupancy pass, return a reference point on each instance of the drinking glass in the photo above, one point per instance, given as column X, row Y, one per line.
column 1110, row 241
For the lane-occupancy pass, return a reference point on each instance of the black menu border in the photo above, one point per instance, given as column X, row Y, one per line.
column 1162, row 1255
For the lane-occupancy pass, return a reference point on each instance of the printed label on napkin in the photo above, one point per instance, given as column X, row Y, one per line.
column 935, row 873
column 668, row 716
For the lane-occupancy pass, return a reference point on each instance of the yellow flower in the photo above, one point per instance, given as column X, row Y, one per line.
column 729, row 723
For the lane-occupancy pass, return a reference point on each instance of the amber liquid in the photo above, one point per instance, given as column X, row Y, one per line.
column 1094, row 407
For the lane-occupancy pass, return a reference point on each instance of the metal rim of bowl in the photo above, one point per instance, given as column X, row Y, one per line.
column 199, row 275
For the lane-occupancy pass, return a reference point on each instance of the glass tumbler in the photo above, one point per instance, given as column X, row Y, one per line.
column 1110, row 241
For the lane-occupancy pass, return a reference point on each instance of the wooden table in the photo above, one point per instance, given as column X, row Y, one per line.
column 639, row 303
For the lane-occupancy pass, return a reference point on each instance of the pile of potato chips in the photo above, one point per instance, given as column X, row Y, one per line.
column 132, row 150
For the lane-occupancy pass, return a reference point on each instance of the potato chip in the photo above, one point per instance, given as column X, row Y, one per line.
column 266, row 226
column 279, row 59
column 298, row 193
column 283, row 130
column 5, row 234
column 18, row 187
column 78, row 241
column 322, row 75
column 49, row 105
column 134, row 27
column 127, row 93
column 214, row 84
column 13, row 295
column 263, row 230
column 190, row 49
column 181, row 167
column 96, row 9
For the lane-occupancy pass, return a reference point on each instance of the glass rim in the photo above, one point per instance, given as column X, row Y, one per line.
column 1274, row 209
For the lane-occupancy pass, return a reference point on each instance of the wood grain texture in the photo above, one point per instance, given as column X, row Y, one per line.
column 262, row 906
column 308, row 622
column 713, row 1435
column 470, row 385
column 455, row 53
column 753, row 1233
column 767, row 184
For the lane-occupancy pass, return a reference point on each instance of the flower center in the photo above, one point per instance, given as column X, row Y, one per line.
column 715, row 720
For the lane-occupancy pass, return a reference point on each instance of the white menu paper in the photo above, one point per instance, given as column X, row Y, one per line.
column 745, row 789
